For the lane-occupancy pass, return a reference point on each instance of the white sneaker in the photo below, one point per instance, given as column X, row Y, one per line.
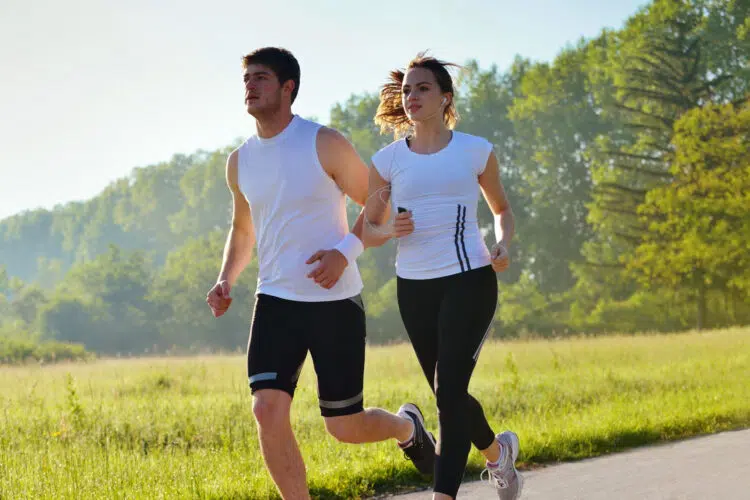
column 505, row 478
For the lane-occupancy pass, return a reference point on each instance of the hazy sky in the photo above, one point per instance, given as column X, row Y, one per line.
column 93, row 88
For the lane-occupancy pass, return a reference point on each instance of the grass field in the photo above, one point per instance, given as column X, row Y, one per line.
column 183, row 428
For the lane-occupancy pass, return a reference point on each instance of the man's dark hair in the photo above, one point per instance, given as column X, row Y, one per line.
column 278, row 60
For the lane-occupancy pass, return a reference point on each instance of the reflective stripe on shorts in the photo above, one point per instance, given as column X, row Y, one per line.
column 337, row 405
column 258, row 377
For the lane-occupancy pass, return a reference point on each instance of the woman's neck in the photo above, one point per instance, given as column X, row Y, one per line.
column 429, row 137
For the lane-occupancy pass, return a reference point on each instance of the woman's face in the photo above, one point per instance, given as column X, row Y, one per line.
column 421, row 96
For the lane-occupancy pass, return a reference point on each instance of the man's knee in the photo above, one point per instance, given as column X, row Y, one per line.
column 271, row 407
column 346, row 428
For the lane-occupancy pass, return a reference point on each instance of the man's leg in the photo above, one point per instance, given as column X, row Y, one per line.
column 369, row 426
column 337, row 347
column 278, row 444
column 276, row 352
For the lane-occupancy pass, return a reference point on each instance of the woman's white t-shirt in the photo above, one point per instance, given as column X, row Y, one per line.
column 442, row 191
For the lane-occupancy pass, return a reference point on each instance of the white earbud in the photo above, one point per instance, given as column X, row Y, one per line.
column 445, row 101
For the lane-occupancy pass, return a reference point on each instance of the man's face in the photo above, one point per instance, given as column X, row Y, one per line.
column 262, row 90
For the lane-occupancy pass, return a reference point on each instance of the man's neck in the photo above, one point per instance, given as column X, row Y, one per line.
column 273, row 125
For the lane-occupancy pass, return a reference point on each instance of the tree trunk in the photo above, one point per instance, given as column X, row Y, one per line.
column 701, row 305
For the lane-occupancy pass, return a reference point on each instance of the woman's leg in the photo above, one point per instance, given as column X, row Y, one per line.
column 466, row 313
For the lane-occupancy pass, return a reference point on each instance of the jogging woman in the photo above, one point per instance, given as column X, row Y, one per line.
column 446, row 275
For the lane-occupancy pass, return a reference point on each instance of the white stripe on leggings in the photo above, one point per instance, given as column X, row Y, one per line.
column 476, row 354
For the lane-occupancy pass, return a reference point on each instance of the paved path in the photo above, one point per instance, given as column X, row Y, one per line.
column 715, row 467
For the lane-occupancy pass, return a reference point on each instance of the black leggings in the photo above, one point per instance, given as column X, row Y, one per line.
column 447, row 320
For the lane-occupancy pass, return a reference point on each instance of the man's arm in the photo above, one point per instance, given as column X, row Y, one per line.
column 342, row 163
column 238, row 249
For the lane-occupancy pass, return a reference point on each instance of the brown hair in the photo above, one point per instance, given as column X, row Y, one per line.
column 391, row 116
column 280, row 61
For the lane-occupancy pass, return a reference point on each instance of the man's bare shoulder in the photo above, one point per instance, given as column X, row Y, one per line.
column 331, row 138
column 232, row 167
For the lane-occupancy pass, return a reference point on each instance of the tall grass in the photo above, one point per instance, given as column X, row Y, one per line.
column 183, row 427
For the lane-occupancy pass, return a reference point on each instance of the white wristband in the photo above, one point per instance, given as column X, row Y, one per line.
column 350, row 247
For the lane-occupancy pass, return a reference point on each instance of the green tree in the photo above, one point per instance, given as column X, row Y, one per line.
column 699, row 225
column 27, row 302
column 102, row 304
column 556, row 119
column 70, row 319
column 4, row 282
column 4, row 292
column 179, row 297
column 671, row 57
column 24, row 238
column 660, row 67
column 206, row 203
column 354, row 119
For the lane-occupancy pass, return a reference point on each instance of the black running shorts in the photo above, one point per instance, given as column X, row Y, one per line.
column 282, row 333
